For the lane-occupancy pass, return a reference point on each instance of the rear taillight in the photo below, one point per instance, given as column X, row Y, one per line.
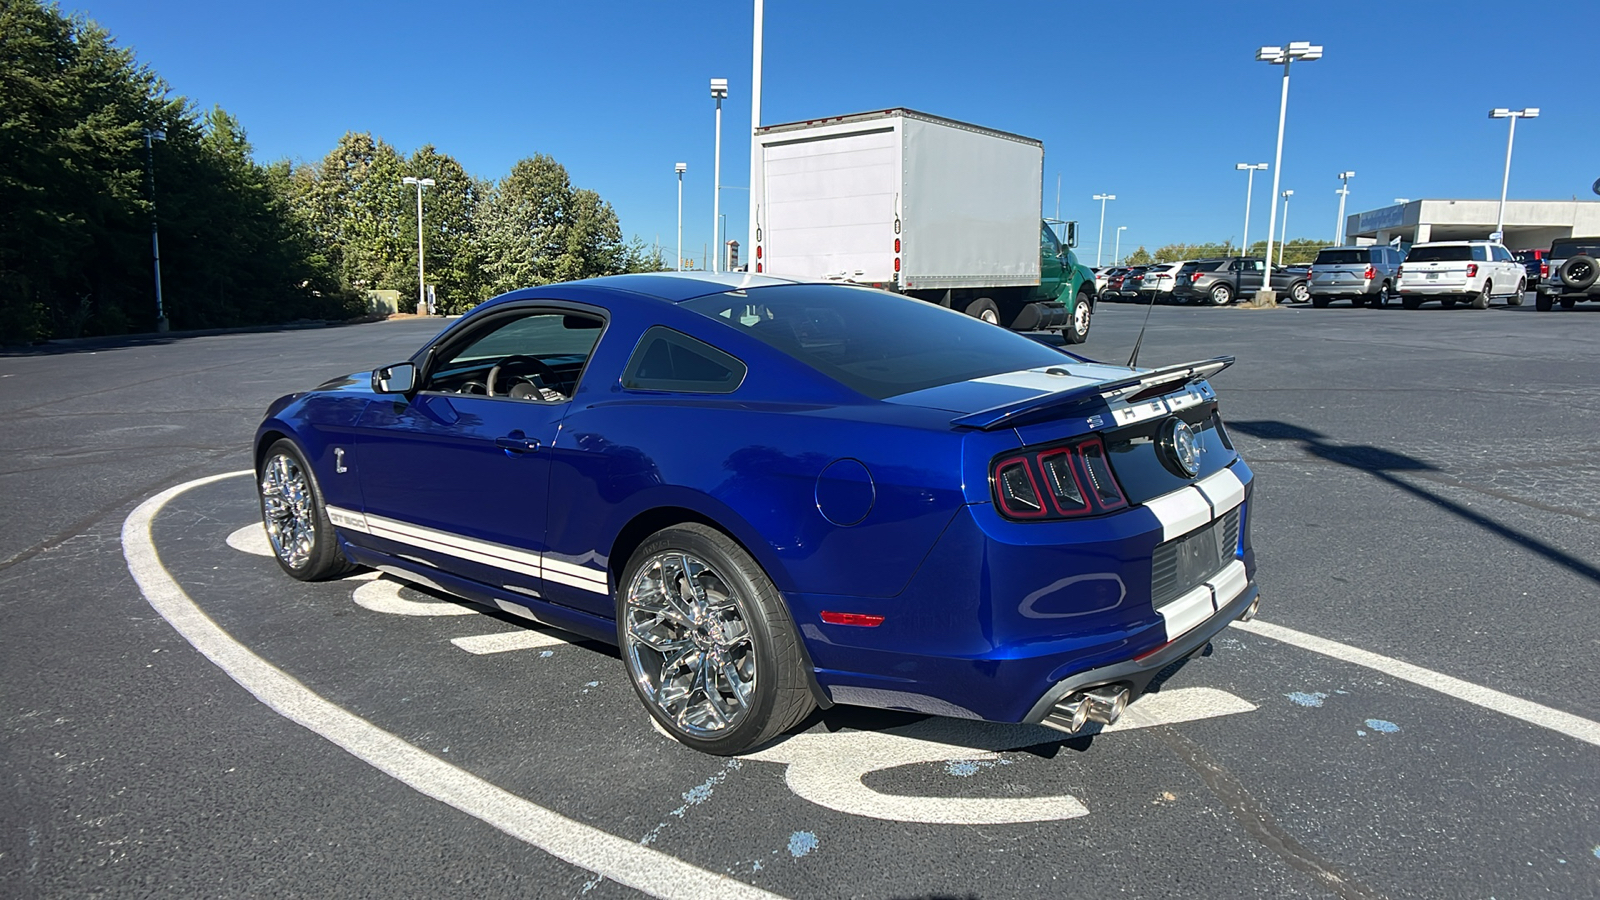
column 1057, row 483
column 1472, row 270
column 1370, row 274
column 1544, row 269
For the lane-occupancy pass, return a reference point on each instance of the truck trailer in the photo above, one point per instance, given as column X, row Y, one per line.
column 936, row 209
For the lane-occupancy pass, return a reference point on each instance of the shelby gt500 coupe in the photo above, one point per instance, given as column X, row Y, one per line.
column 774, row 495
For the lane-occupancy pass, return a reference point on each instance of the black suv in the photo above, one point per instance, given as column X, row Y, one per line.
column 1573, row 271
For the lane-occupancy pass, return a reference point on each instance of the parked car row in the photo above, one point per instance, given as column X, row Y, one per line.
column 1474, row 273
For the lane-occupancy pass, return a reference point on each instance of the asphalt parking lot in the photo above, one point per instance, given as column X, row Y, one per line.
column 1416, row 712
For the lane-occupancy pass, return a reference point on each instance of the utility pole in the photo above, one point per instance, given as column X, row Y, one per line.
column 422, row 275
column 151, row 135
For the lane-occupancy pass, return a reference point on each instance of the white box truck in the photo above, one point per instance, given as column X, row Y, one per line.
column 933, row 208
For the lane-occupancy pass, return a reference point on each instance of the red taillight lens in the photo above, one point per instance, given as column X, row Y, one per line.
column 897, row 263
column 1370, row 274
column 1544, row 269
column 1472, row 270
column 1193, row 277
column 1019, row 495
column 758, row 268
column 897, row 245
column 1077, row 479
column 758, row 251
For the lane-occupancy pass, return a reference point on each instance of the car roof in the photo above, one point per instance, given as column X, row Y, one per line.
column 676, row 287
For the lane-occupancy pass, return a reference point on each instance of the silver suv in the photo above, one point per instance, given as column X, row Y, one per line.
column 1469, row 271
column 1573, row 273
column 1357, row 274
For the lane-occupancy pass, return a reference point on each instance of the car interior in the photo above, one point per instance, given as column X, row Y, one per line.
column 531, row 356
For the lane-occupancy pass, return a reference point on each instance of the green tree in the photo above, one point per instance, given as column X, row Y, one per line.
column 1139, row 257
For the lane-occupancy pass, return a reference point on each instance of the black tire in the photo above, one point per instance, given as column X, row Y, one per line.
column 1322, row 302
column 1411, row 302
column 781, row 696
column 1543, row 302
column 295, row 516
column 1480, row 300
column 1383, row 296
column 1516, row 299
column 1569, row 302
column 1220, row 295
column 1579, row 272
column 985, row 309
column 1077, row 328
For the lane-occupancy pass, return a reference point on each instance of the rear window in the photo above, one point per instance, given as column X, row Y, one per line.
column 874, row 342
column 1341, row 258
column 1569, row 249
column 1445, row 253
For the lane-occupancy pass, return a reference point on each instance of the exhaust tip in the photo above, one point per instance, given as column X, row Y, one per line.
column 1070, row 714
column 1106, row 704
column 1251, row 610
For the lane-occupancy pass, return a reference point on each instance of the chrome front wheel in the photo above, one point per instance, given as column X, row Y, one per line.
column 293, row 515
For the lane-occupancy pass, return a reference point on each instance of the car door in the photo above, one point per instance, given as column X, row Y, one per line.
column 456, row 476
column 1510, row 271
column 1051, row 270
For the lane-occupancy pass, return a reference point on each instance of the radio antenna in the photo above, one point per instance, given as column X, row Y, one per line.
column 1133, row 359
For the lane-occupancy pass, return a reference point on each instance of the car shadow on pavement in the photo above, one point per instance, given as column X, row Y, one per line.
column 1384, row 464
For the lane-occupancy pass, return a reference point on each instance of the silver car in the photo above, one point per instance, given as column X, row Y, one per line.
column 1357, row 274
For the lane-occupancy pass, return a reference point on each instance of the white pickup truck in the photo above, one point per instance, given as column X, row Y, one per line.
column 1472, row 272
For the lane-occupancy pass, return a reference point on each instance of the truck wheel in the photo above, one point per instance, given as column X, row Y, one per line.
column 1381, row 298
column 1221, row 295
column 1543, row 302
column 1077, row 330
column 1579, row 272
column 1516, row 299
column 985, row 309
column 1480, row 300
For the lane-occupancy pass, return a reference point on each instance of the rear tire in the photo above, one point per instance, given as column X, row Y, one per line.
column 1077, row 330
column 1299, row 292
column 1221, row 295
column 1383, row 296
column 985, row 309
column 1543, row 302
column 708, row 643
column 1480, row 300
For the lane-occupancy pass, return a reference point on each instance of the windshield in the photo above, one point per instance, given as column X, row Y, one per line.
column 1569, row 249
column 1441, row 253
column 874, row 342
column 1341, row 258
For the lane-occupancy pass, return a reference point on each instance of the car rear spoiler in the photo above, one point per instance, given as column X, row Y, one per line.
column 1135, row 387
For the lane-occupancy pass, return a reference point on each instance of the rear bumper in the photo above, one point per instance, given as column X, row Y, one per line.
column 1438, row 288
column 1004, row 618
column 1344, row 289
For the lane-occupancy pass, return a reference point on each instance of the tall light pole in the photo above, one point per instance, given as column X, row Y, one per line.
column 1343, row 192
column 680, row 168
column 1280, row 56
column 1531, row 112
column 1120, row 230
column 1102, row 243
column 422, row 280
column 754, row 247
column 151, row 135
column 1284, row 238
column 719, row 92
column 1249, row 185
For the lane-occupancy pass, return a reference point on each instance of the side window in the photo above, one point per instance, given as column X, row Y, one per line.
column 666, row 360
column 1048, row 245
column 1479, row 254
column 544, row 351
column 1503, row 254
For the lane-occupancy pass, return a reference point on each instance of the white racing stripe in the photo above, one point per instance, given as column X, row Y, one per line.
column 1555, row 720
column 1196, row 606
column 1180, row 512
column 621, row 860
column 1223, row 489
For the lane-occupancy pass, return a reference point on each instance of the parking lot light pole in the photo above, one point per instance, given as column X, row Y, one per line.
column 1284, row 237
column 1102, row 244
column 151, row 135
column 680, row 168
column 1343, row 192
column 422, row 279
column 1531, row 112
column 1280, row 56
column 719, row 92
column 1118, row 260
column 1249, row 185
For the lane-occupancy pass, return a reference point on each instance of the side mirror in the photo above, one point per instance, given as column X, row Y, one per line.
column 400, row 378
column 1072, row 235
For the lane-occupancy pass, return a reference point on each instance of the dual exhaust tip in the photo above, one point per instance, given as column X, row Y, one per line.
column 1102, row 705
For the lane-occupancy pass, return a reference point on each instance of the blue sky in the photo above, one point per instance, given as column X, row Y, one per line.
column 1154, row 102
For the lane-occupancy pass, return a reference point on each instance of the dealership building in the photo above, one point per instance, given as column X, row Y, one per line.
column 1529, row 224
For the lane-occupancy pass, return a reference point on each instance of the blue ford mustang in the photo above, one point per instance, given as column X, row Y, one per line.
column 774, row 496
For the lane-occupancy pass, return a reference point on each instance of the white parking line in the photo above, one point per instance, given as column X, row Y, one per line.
column 506, row 641
column 618, row 859
column 1516, row 707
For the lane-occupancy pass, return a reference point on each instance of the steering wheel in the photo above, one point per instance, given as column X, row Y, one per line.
column 540, row 368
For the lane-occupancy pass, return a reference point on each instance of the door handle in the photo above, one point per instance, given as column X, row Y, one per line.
column 517, row 442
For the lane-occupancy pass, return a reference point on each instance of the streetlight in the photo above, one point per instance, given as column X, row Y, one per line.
column 1284, row 238
column 680, row 168
column 1102, row 244
column 1531, row 112
column 1343, row 192
column 754, row 247
column 719, row 92
column 1120, row 230
column 151, row 135
column 1280, row 56
column 1249, row 185
column 422, row 281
